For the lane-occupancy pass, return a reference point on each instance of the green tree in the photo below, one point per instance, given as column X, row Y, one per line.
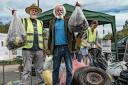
column 4, row 28
column 120, row 34
column 125, row 26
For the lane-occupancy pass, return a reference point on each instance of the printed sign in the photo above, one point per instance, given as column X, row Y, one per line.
column 106, row 46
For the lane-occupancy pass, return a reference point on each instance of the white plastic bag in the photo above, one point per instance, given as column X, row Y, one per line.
column 16, row 34
column 77, row 21
column 115, row 68
column 48, row 64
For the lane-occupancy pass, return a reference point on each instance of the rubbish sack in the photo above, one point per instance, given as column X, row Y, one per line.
column 47, row 77
column 16, row 35
column 122, row 79
column 90, row 76
column 120, row 82
column 116, row 67
column 48, row 64
column 63, row 79
column 62, row 70
column 77, row 21
column 97, row 59
column 77, row 65
column 124, row 74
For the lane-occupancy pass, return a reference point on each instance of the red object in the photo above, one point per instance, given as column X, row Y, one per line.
column 77, row 65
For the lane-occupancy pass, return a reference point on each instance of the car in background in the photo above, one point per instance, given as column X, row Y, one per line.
column 121, row 45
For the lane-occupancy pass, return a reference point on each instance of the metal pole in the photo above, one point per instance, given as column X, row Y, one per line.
column 103, row 31
column 3, row 73
column 20, row 70
column 3, row 64
column 38, row 2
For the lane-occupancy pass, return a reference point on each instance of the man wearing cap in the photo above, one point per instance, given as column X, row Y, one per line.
column 32, row 51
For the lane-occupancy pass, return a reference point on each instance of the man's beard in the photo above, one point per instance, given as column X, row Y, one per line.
column 33, row 16
column 59, row 17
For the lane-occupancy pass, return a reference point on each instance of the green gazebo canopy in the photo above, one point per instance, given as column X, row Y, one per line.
column 90, row 15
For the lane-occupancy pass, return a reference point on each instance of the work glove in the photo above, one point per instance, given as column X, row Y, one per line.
column 48, row 52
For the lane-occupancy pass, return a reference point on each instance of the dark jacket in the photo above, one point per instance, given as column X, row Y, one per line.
column 70, row 35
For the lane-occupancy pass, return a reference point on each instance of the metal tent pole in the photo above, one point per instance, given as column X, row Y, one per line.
column 38, row 2
column 2, row 43
column 3, row 74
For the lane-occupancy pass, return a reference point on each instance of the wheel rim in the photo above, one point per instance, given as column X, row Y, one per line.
column 111, row 57
column 94, row 78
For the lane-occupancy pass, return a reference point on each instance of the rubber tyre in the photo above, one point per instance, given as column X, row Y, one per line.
column 91, row 76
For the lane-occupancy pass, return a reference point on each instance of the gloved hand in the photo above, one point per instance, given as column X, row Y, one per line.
column 48, row 52
column 98, row 46
column 88, row 45
column 13, row 12
column 43, row 50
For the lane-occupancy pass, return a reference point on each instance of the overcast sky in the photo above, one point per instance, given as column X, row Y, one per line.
column 119, row 8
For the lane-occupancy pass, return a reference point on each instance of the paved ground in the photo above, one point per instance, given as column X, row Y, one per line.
column 8, row 68
column 11, row 73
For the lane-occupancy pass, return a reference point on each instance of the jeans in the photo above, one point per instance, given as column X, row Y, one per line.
column 59, row 52
column 78, row 56
column 84, row 51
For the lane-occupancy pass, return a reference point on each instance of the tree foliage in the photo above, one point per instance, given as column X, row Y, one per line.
column 4, row 28
column 120, row 34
